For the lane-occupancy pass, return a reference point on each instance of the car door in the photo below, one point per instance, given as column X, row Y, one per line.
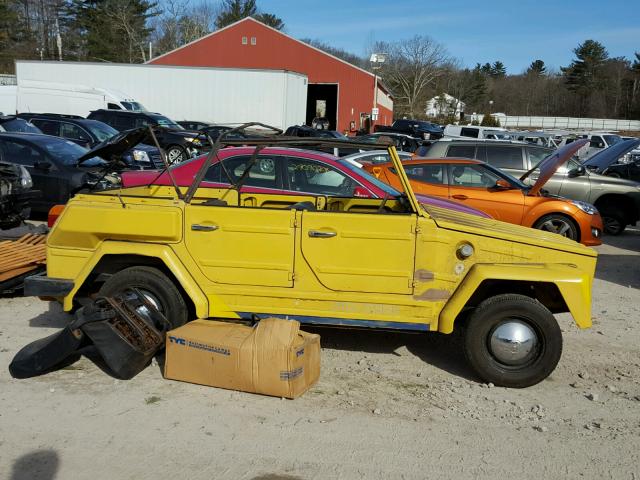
column 428, row 178
column 304, row 175
column 508, row 158
column 265, row 173
column 76, row 134
column 242, row 245
column 48, row 180
column 574, row 187
column 474, row 185
column 360, row 252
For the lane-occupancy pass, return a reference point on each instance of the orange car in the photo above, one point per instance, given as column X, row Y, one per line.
column 502, row 196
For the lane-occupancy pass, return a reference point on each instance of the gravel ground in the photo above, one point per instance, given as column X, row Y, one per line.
column 387, row 406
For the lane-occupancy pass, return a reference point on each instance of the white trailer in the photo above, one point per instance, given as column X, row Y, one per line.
column 216, row 95
column 8, row 99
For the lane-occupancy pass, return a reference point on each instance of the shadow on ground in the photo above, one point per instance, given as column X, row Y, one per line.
column 54, row 317
column 37, row 465
column 444, row 352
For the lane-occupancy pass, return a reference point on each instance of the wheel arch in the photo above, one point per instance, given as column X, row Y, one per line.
column 620, row 203
column 560, row 288
column 112, row 257
column 563, row 213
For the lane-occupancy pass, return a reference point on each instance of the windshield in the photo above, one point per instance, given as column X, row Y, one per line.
column 329, row 134
column 133, row 106
column 19, row 125
column 612, row 139
column 102, row 131
column 165, row 122
column 66, row 152
column 378, row 183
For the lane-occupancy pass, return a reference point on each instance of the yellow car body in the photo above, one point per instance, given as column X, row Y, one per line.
column 346, row 261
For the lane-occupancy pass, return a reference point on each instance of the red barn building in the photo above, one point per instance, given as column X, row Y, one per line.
column 344, row 93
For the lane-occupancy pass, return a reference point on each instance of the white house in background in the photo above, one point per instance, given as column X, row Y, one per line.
column 444, row 104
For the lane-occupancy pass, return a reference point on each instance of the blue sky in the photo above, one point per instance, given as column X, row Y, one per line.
column 515, row 31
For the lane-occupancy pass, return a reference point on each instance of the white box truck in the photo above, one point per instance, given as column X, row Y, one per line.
column 216, row 95
column 35, row 96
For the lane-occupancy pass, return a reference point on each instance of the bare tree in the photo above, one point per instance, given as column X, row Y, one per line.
column 182, row 22
column 412, row 67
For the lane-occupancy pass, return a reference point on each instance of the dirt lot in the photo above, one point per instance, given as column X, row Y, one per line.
column 387, row 406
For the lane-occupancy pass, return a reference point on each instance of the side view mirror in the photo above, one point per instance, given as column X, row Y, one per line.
column 502, row 184
column 42, row 165
column 577, row 172
column 600, row 145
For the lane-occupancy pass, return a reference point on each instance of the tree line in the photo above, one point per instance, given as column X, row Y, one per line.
column 416, row 69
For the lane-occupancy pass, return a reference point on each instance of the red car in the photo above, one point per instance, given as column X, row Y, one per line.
column 283, row 171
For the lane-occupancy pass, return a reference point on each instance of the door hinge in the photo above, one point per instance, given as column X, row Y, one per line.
column 294, row 222
column 415, row 229
column 412, row 283
column 292, row 276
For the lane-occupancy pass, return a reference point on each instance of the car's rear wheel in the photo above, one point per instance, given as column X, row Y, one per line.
column 176, row 154
column 157, row 288
column 512, row 341
column 560, row 224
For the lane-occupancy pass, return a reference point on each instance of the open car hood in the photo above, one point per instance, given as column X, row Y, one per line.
column 116, row 145
column 604, row 158
column 550, row 164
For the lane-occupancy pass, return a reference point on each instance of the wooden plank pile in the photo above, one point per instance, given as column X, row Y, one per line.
column 21, row 256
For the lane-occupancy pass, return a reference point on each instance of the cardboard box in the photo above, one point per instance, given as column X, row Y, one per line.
column 272, row 358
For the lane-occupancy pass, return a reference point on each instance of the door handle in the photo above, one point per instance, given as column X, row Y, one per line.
column 204, row 228
column 459, row 197
column 535, row 179
column 320, row 234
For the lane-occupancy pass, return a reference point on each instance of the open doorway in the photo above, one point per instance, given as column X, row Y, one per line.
column 322, row 101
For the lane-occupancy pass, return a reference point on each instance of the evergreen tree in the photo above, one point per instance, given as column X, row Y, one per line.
column 270, row 20
column 112, row 30
column 537, row 67
column 235, row 10
column 584, row 75
column 498, row 69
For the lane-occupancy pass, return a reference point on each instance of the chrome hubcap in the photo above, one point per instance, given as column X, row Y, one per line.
column 561, row 227
column 153, row 300
column 174, row 155
column 513, row 343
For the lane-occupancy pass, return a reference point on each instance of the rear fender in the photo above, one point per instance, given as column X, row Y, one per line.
column 573, row 284
column 161, row 252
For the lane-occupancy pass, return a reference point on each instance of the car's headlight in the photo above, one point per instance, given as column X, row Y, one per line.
column 196, row 142
column 585, row 207
column 141, row 156
column 25, row 178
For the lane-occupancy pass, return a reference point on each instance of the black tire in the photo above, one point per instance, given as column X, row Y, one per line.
column 497, row 311
column 151, row 280
column 176, row 154
column 614, row 223
column 560, row 224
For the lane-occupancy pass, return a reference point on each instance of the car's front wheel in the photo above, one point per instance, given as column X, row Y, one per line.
column 559, row 224
column 176, row 154
column 157, row 288
column 512, row 340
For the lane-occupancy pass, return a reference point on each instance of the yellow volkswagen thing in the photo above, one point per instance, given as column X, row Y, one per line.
column 356, row 262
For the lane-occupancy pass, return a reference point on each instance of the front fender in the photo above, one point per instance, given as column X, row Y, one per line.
column 161, row 252
column 574, row 286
